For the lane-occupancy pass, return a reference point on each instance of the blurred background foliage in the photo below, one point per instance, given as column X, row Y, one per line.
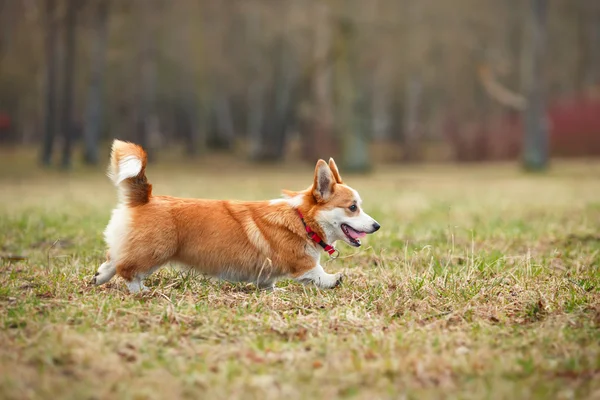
column 273, row 80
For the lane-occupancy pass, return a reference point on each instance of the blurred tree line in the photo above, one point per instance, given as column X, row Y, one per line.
column 400, row 80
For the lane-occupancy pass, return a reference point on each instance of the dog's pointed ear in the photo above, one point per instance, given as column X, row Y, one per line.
column 334, row 171
column 324, row 181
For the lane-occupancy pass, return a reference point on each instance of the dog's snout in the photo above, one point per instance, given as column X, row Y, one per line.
column 376, row 226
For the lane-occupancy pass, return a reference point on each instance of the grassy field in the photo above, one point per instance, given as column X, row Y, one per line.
column 482, row 283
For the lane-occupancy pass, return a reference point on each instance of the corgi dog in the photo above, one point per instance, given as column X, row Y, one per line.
column 239, row 241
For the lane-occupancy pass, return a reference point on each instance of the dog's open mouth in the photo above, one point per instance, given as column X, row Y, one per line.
column 353, row 235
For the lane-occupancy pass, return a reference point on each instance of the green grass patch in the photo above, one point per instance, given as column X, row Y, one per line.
column 482, row 283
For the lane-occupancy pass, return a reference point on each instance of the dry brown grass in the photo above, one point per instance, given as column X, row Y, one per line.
column 482, row 283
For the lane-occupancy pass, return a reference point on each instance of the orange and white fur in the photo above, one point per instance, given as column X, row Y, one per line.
column 253, row 241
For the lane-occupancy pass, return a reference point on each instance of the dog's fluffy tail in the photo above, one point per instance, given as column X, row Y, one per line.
column 127, row 171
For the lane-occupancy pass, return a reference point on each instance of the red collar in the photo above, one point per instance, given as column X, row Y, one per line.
column 316, row 238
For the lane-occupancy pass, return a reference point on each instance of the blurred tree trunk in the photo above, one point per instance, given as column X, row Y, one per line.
column 536, row 146
column 220, row 94
column 68, row 82
column 355, row 148
column 320, row 142
column 593, row 76
column 381, row 107
column 591, row 37
column 224, row 119
column 147, row 120
column 93, row 117
column 51, row 45
column 7, row 21
column 413, row 85
column 195, row 140
column 191, row 56
column 515, row 32
column 256, row 86
column 379, row 86
column 281, row 103
column 255, row 118
column 412, row 139
column 284, row 101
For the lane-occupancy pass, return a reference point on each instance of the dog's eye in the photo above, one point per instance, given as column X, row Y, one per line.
column 353, row 207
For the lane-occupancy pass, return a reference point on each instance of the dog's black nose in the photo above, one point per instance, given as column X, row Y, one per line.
column 376, row 227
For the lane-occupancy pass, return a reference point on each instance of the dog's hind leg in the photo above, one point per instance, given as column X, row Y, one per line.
column 134, row 277
column 146, row 249
column 266, row 284
column 105, row 272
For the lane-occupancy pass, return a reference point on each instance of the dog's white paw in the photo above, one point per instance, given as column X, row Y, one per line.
column 339, row 277
column 320, row 278
column 105, row 273
column 332, row 281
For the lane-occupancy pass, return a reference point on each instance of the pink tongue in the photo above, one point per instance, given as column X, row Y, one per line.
column 354, row 234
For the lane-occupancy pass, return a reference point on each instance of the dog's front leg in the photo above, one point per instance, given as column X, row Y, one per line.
column 320, row 278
